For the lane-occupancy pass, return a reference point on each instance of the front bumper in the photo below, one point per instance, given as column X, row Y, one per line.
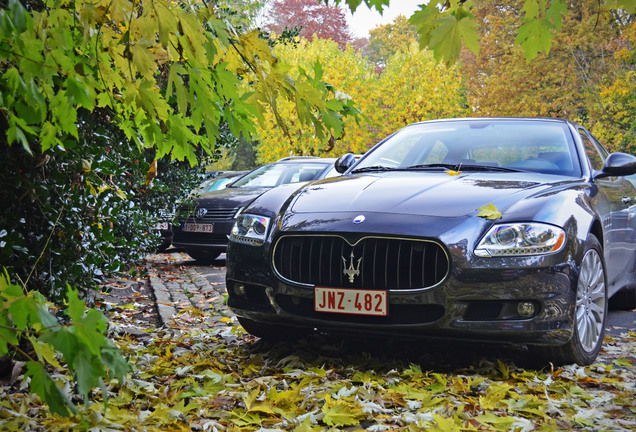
column 216, row 239
column 475, row 302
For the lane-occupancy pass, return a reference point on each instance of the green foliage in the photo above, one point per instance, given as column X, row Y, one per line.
column 167, row 73
column 445, row 26
column 78, row 214
column 27, row 321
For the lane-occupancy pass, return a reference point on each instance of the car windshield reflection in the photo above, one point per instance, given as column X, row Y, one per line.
column 478, row 144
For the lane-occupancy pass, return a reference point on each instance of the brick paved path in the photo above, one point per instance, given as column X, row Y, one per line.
column 182, row 288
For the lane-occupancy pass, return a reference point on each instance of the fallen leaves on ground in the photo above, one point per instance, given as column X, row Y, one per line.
column 195, row 377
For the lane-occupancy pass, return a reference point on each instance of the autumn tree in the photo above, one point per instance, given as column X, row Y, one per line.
column 564, row 82
column 617, row 108
column 386, row 40
column 313, row 18
column 413, row 87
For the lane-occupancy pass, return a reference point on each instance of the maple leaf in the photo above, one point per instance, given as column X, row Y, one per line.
column 341, row 413
column 489, row 211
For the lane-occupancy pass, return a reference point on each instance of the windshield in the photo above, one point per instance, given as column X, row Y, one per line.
column 510, row 145
column 280, row 173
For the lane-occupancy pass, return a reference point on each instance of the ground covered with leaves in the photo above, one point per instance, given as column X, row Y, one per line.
column 192, row 375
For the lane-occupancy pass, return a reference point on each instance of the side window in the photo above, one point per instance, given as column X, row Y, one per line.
column 592, row 152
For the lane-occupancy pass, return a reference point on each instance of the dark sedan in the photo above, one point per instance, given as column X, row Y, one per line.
column 506, row 230
column 204, row 226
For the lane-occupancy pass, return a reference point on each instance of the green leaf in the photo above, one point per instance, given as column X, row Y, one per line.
column 78, row 93
column 88, row 370
column 623, row 362
column 489, row 211
column 530, row 9
column 425, row 22
column 8, row 334
column 44, row 386
column 556, row 10
column 446, row 39
column 535, row 36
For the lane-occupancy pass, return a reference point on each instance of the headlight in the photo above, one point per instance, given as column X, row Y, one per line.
column 250, row 229
column 520, row 239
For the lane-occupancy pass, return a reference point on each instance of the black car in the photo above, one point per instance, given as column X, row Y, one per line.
column 204, row 226
column 507, row 230
column 218, row 180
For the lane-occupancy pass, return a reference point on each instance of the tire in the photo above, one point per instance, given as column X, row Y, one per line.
column 270, row 332
column 204, row 256
column 165, row 244
column 590, row 312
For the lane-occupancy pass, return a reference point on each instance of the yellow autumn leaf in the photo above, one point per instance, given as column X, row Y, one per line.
column 121, row 194
column 489, row 211
column 91, row 188
column 452, row 173
column 44, row 351
column 495, row 394
column 86, row 165
column 342, row 413
column 152, row 172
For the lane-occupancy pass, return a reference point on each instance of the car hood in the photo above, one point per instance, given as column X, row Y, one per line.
column 421, row 193
column 229, row 197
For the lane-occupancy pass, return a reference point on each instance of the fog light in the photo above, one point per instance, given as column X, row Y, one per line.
column 239, row 289
column 525, row 309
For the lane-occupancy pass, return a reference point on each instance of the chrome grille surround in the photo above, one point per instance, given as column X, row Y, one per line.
column 378, row 262
column 212, row 214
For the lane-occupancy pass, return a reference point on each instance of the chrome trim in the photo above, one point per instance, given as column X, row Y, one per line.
column 364, row 237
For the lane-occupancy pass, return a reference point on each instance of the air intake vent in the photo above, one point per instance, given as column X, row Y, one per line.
column 372, row 263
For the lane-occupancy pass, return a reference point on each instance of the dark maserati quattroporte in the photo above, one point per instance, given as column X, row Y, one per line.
column 506, row 230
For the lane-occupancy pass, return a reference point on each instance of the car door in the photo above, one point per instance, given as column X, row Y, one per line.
column 618, row 213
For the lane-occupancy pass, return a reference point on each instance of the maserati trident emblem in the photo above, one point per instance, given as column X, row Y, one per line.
column 358, row 219
column 352, row 271
column 201, row 212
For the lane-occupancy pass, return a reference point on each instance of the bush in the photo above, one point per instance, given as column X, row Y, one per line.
column 78, row 214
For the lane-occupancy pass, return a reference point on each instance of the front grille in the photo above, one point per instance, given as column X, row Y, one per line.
column 212, row 214
column 373, row 262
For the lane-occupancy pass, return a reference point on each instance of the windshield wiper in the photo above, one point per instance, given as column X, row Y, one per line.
column 487, row 168
column 454, row 167
column 371, row 169
column 460, row 167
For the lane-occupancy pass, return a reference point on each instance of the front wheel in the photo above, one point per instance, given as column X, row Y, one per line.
column 590, row 311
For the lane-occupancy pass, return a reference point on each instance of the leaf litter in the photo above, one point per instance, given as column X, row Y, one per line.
column 192, row 375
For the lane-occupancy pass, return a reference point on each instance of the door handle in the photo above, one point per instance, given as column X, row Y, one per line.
column 626, row 200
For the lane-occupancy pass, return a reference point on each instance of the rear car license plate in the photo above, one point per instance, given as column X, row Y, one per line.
column 195, row 227
column 351, row 301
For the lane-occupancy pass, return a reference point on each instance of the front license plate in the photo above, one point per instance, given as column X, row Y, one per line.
column 195, row 227
column 351, row 301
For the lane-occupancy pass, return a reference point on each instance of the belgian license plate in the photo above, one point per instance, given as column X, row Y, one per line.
column 351, row 301
column 196, row 227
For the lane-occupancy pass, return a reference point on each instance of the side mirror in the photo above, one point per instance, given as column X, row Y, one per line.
column 344, row 162
column 617, row 164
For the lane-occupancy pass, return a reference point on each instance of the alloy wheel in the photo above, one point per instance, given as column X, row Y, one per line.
column 590, row 301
